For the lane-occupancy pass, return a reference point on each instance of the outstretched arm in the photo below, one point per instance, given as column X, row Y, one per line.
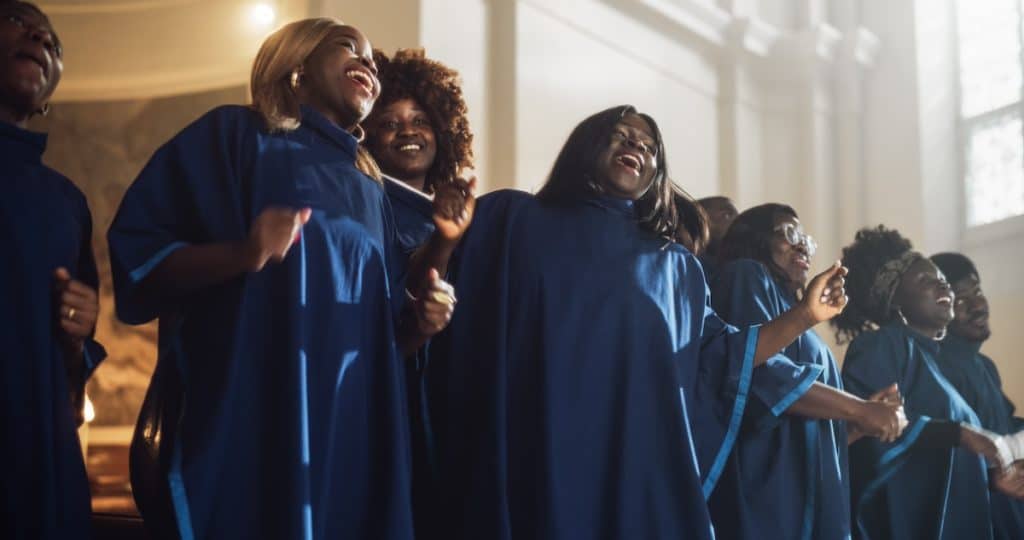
column 193, row 267
column 824, row 298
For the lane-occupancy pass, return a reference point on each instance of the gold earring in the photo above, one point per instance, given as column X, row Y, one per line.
column 902, row 317
column 361, row 133
column 45, row 109
column 295, row 79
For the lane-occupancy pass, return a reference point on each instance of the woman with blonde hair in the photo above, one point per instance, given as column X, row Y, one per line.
column 262, row 239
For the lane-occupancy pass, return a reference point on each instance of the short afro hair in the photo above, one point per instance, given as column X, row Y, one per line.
column 409, row 74
column 955, row 266
column 870, row 250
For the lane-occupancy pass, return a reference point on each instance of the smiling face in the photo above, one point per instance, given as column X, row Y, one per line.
column 626, row 167
column 339, row 79
column 925, row 298
column 402, row 140
column 794, row 261
column 971, row 310
column 30, row 60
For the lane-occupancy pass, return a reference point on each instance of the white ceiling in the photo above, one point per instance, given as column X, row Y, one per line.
column 131, row 49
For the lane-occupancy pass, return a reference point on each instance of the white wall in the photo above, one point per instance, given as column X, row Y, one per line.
column 912, row 158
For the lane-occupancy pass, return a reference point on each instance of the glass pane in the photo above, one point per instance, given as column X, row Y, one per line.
column 995, row 171
column 990, row 64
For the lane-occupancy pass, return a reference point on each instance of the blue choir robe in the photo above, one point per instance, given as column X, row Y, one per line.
column 787, row 477
column 584, row 389
column 414, row 223
column 44, row 224
column 976, row 378
column 710, row 264
column 912, row 489
column 279, row 409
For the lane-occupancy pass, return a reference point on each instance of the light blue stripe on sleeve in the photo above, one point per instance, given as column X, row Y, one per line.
column 145, row 268
column 737, row 412
column 906, row 441
column 810, row 375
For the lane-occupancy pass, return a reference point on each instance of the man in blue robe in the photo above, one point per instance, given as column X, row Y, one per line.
column 975, row 375
column 49, row 304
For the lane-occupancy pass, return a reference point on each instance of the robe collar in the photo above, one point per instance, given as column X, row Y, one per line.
column 959, row 347
column 918, row 339
column 21, row 143
column 615, row 205
column 331, row 131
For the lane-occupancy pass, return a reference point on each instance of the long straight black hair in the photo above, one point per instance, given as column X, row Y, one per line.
column 665, row 209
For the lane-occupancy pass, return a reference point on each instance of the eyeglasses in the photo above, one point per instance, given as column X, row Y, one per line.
column 796, row 237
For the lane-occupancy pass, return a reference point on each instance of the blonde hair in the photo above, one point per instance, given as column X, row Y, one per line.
column 270, row 84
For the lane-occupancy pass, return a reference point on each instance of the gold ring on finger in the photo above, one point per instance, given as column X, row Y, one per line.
column 442, row 298
column 71, row 313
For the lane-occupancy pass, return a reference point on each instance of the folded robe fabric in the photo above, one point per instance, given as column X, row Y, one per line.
column 44, row 224
column 788, row 475
column 585, row 389
column 976, row 378
column 283, row 400
column 913, row 488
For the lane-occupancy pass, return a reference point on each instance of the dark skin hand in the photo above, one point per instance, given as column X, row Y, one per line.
column 879, row 416
column 981, row 442
column 1009, row 480
column 890, row 396
column 193, row 267
column 77, row 309
column 433, row 301
column 824, row 298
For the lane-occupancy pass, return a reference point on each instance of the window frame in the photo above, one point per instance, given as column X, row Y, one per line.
column 1010, row 226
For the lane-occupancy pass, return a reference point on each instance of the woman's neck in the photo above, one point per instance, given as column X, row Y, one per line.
column 928, row 331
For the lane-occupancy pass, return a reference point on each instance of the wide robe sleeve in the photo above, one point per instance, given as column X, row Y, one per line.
column 724, row 387
column 188, row 193
column 744, row 294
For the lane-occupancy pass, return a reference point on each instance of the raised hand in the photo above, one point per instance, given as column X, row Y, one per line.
column 434, row 305
column 825, row 296
column 454, row 204
column 272, row 235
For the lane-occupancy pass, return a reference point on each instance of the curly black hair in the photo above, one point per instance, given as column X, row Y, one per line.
column 870, row 250
column 409, row 74
column 750, row 237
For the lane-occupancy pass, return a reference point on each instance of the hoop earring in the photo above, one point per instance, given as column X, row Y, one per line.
column 294, row 80
column 44, row 110
column 361, row 135
column 899, row 312
column 940, row 336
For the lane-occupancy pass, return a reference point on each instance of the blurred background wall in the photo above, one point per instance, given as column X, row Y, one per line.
column 853, row 111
